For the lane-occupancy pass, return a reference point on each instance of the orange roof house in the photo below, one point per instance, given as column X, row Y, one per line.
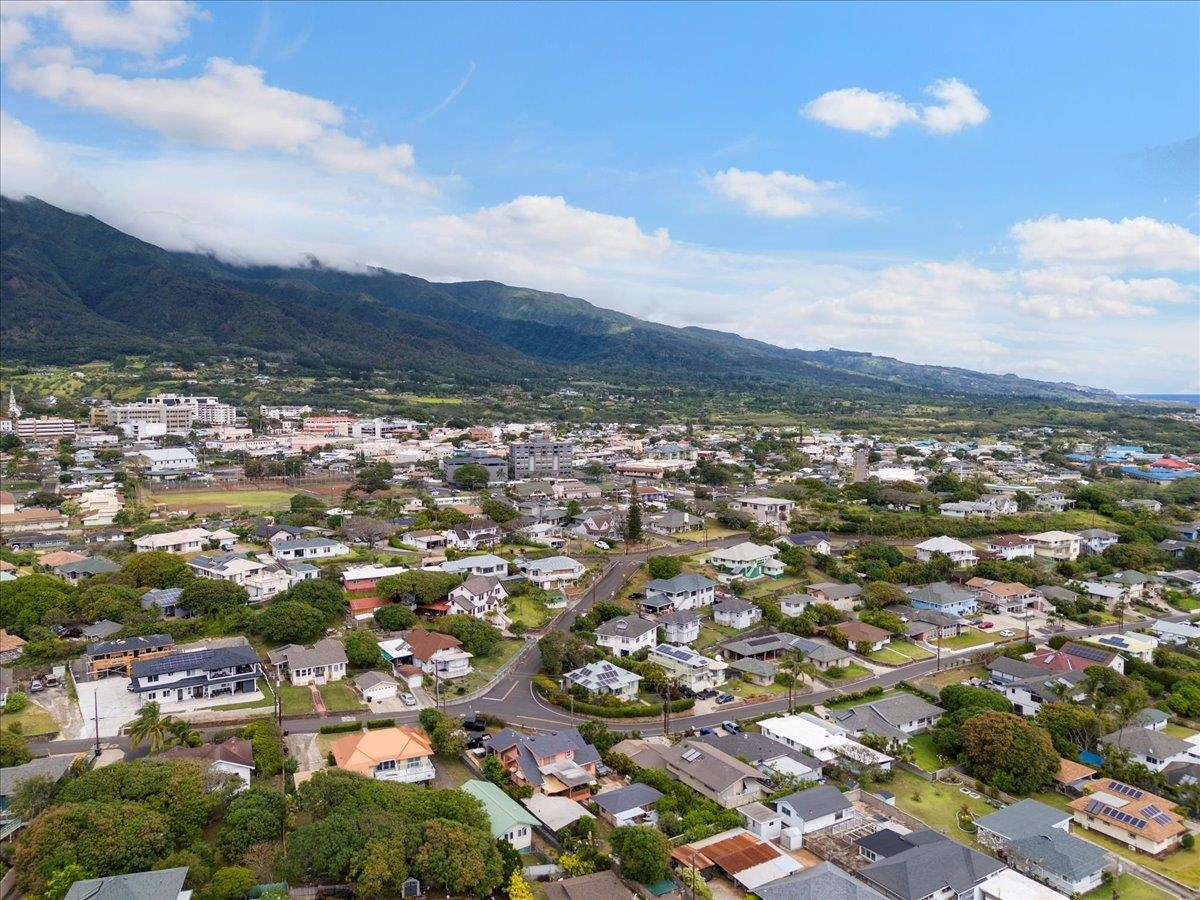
column 400, row 753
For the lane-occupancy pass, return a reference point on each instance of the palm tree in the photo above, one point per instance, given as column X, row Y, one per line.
column 789, row 667
column 150, row 727
column 182, row 734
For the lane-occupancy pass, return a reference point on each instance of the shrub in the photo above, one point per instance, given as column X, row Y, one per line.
column 16, row 702
column 381, row 723
column 341, row 728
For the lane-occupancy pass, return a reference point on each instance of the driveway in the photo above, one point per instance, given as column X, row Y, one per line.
column 304, row 748
column 109, row 697
column 71, row 725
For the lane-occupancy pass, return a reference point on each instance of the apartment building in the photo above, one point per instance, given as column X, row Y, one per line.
column 45, row 429
column 540, row 458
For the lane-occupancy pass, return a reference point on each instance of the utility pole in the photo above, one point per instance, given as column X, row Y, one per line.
column 96, row 719
column 667, row 709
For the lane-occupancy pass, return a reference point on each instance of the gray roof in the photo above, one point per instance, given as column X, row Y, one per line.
column 824, row 881
column 712, row 768
column 1151, row 716
column 325, row 652
column 928, row 616
column 369, row 680
column 1017, row 668
column 627, row 798
column 885, row 843
column 759, row 667
column 1144, row 742
column 530, row 748
column 1022, row 819
column 756, row 748
column 129, row 644
column 754, row 645
column 95, row 565
column 835, row 591
column 733, row 606
column 931, row 867
column 942, row 593
column 208, row 660
column 163, row 884
column 884, row 717
column 815, row 802
column 1029, row 828
column 1054, row 592
column 305, row 544
column 686, row 582
column 52, row 767
column 679, row 617
column 98, row 631
column 626, row 626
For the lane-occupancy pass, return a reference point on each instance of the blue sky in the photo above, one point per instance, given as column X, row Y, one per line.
column 1002, row 187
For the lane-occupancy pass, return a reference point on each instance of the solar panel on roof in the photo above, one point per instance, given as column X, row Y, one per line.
column 1125, row 789
column 1162, row 819
column 1094, row 806
column 1085, row 652
column 1151, row 810
column 690, row 755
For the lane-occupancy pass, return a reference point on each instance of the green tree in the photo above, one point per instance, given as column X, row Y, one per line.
column 881, row 618
column 255, row 816
column 156, row 569
column 32, row 796
column 664, row 566
column 633, row 519
column 644, row 852
column 1072, row 727
column 493, row 771
column 211, row 596
column 381, row 869
column 290, row 622
column 13, row 750
column 458, row 859
column 471, row 476
column 374, row 478
column 59, row 884
column 361, row 649
column 230, row 883
column 1008, row 752
column 325, row 595
column 961, row 696
column 395, row 617
column 477, row 636
column 150, row 727
column 879, row 594
column 497, row 511
column 424, row 587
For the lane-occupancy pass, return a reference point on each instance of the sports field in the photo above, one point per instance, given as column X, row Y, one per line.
column 213, row 501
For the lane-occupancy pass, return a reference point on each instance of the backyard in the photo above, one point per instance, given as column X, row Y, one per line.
column 936, row 804
column 33, row 719
column 924, row 755
column 267, row 701
column 529, row 610
column 1183, row 865
column 1178, row 731
column 1129, row 887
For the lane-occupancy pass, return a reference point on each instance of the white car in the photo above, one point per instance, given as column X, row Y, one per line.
column 603, row 545
column 408, row 699
column 1007, row 632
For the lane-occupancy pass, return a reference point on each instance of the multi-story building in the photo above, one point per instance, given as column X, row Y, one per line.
column 626, row 635
column 540, row 457
column 495, row 466
column 189, row 679
column 764, row 510
column 688, row 669
column 45, row 429
column 172, row 418
column 1056, row 544
column 208, row 410
column 121, row 654
column 1136, row 818
column 962, row 555
column 400, row 753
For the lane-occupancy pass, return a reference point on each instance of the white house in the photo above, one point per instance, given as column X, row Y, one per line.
column 262, row 581
column 1010, row 546
column 552, row 572
column 626, row 635
column 687, row 668
column 166, row 459
column 1175, row 632
column 1097, row 540
column 321, row 663
column 233, row 756
column 962, row 555
column 736, row 613
column 773, row 511
column 484, row 564
column 189, row 680
column 481, row 596
column 1056, row 544
column 188, row 540
column 821, row 740
column 681, row 626
column 604, row 679
column 814, row 809
column 376, row 686
column 309, row 548
column 684, row 591
column 746, row 561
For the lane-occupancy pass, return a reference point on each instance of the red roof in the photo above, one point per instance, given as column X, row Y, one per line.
column 366, row 604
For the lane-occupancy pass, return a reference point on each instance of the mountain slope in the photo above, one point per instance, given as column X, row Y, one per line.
column 74, row 289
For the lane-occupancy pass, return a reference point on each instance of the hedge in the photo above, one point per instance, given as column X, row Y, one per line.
column 560, row 698
column 340, row 728
column 381, row 723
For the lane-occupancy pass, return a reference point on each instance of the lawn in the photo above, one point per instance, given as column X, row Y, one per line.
column 843, row 704
column 848, row 672
column 909, row 651
column 1183, row 865
column 1130, row 887
column 529, row 611
column 297, row 701
column 936, row 805
column 484, row 670
column 740, row 688
column 923, row 753
column 715, row 532
column 267, row 701
column 339, row 697
column 935, row 681
column 1187, row 604
column 711, row 633
column 33, row 719
column 888, row 657
column 249, row 500
column 1178, row 731
column 969, row 639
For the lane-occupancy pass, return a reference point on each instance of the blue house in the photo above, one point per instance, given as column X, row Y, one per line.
column 951, row 599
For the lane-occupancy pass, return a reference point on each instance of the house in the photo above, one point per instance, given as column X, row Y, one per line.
column 1175, row 633
column 1036, row 839
column 509, row 820
column 745, row 859
column 596, row 525
column 574, row 489
column 480, row 596
column 106, row 657
column 814, row 809
column 425, row 539
column 374, row 687
column 935, row 866
column 969, row 509
column 841, row 596
column 11, row 647
column 962, row 555
column 1010, row 546
column 33, row 518
column 400, row 753
column 626, row 635
column 1185, row 579
column 558, row 763
column 99, row 631
column 816, row 541
column 736, row 613
column 896, row 717
column 765, row 645
column 1153, row 719
column 233, row 756
column 792, row 605
column 944, row 597
column 486, row 564
column 551, row 573
column 1053, row 501
column 687, row 668
column 1137, row 646
column 190, row 679
column 1097, row 540
column 556, row 813
column 673, row 521
column 1073, row 777
column 261, row 580
column 768, row 756
column 823, row 741
column 309, row 548
column 1005, row 596
column 54, row 768
column 715, row 774
column 1135, row 583
column 188, row 540
column 160, row 884
column 746, row 562
column 475, row 533
column 604, row 679
column 1076, row 657
column 165, row 460
column 75, row 572
column 685, row 591
column 439, row 655
column 366, row 578
column 681, row 626
column 761, row 821
column 1153, row 749
column 1102, row 591
column 1056, row 545
column 1028, row 694
column 863, row 637
column 323, row 662
column 822, row 881
column 927, row 624
column 603, row 885
column 634, row 804
column 164, row 602
column 1138, row 819
column 1176, row 549
column 772, row 511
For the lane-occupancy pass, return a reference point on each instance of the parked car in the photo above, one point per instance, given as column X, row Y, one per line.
column 476, row 741
column 408, row 699
column 725, row 698
column 603, row 545
column 707, row 694
column 1007, row 633
column 731, row 727
column 474, row 723
column 707, row 730
column 36, row 685
column 986, row 625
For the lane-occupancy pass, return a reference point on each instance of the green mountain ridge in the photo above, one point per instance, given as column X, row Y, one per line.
column 73, row 289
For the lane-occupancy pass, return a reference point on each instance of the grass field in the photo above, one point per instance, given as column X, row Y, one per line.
column 966, row 640
column 33, row 719
column 297, row 701
column 267, row 701
column 205, row 500
column 530, row 612
column 888, row 657
column 923, row 753
column 339, row 697
column 936, row 805
column 1129, row 887
column 741, row 688
column 935, row 681
column 1187, row 604
column 848, row 673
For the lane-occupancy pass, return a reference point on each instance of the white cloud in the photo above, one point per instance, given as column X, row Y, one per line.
column 142, row 27
column 879, row 113
column 857, row 109
column 14, row 34
column 1104, row 245
column 778, row 194
column 1064, row 295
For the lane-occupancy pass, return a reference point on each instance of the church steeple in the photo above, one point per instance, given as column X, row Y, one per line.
column 14, row 408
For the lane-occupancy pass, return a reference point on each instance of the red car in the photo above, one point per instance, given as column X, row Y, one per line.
column 987, row 625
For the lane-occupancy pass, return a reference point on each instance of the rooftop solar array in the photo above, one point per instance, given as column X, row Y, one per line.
column 1125, row 789
column 1095, row 806
column 1085, row 652
column 1156, row 815
column 690, row 755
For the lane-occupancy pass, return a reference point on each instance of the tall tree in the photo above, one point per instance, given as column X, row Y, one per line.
column 150, row 727
column 633, row 519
